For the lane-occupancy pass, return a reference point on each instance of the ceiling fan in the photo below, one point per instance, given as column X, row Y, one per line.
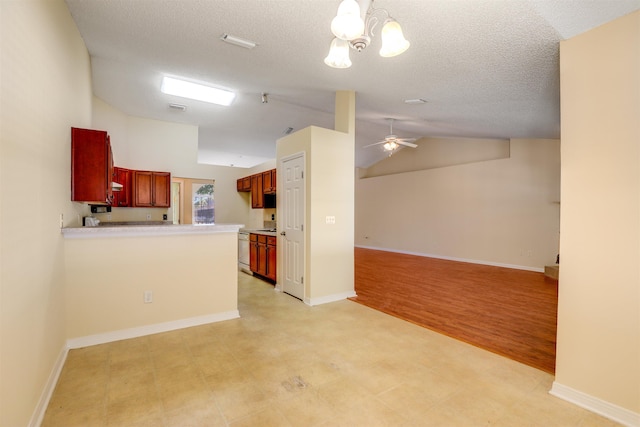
column 391, row 141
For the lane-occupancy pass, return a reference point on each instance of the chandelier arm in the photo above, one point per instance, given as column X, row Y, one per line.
column 370, row 23
column 371, row 20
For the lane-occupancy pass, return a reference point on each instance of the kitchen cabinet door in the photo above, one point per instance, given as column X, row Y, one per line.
column 161, row 189
column 122, row 198
column 269, row 181
column 262, row 255
column 253, row 252
column 257, row 192
column 271, row 258
column 91, row 166
column 244, row 184
column 151, row 189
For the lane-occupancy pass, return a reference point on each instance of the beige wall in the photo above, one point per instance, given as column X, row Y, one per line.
column 190, row 276
column 45, row 89
column 435, row 152
column 500, row 212
column 598, row 351
column 146, row 144
column 329, row 187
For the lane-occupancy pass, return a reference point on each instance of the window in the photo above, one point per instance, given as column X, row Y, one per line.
column 203, row 206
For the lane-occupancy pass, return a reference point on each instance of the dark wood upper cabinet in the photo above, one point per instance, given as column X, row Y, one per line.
column 259, row 185
column 269, row 181
column 151, row 189
column 257, row 192
column 244, row 184
column 122, row 198
column 91, row 166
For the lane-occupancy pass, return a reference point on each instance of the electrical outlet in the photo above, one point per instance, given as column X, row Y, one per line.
column 148, row 217
column 148, row 297
column 61, row 220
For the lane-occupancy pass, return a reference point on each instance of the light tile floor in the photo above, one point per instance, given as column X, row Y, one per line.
column 286, row 364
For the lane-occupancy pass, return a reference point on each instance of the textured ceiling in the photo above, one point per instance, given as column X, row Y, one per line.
column 488, row 68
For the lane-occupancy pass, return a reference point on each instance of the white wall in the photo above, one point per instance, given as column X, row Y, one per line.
column 499, row 212
column 146, row 144
column 598, row 350
column 45, row 90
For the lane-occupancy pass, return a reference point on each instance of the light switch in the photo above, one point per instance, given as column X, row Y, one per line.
column 330, row 219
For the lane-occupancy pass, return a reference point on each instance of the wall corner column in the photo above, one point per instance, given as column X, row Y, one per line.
column 345, row 112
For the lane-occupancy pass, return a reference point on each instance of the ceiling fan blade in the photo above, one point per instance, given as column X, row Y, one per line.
column 375, row 143
column 406, row 143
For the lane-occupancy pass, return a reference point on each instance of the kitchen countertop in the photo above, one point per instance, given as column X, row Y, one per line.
column 135, row 229
column 264, row 231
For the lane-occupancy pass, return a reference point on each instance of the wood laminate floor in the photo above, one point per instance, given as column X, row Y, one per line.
column 507, row 311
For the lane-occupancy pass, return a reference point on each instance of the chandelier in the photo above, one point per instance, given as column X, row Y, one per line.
column 353, row 28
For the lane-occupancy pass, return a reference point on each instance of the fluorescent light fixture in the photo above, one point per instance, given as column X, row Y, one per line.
column 415, row 101
column 196, row 91
column 247, row 44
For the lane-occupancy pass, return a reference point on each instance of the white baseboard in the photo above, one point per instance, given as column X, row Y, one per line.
column 150, row 329
column 593, row 404
column 47, row 392
column 471, row 261
column 329, row 298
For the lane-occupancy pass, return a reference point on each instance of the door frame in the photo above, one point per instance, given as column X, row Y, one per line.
column 280, row 226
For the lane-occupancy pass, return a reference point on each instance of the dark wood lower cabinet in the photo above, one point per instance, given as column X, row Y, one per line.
column 253, row 252
column 262, row 255
column 271, row 258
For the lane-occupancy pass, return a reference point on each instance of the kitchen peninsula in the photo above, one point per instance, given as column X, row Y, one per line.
column 124, row 281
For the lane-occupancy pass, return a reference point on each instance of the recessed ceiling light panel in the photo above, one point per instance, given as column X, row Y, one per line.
column 247, row 44
column 199, row 92
column 415, row 101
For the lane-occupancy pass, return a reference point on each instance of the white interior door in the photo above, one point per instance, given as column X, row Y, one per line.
column 293, row 220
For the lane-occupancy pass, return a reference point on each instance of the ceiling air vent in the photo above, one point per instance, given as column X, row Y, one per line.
column 178, row 107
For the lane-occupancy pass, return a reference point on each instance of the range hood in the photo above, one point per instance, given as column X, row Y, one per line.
column 115, row 186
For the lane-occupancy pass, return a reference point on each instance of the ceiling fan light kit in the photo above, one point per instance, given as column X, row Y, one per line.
column 391, row 142
column 353, row 27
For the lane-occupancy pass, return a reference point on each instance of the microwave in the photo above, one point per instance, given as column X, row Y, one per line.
column 269, row 201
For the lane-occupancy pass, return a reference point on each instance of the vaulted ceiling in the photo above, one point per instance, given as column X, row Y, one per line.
column 487, row 68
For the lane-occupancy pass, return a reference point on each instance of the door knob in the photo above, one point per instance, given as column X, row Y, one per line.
column 284, row 233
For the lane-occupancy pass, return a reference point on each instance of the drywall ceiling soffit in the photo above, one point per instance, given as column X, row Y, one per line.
column 487, row 68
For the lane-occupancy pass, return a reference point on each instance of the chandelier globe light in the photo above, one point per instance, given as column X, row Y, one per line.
column 393, row 41
column 354, row 24
column 347, row 24
column 338, row 54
